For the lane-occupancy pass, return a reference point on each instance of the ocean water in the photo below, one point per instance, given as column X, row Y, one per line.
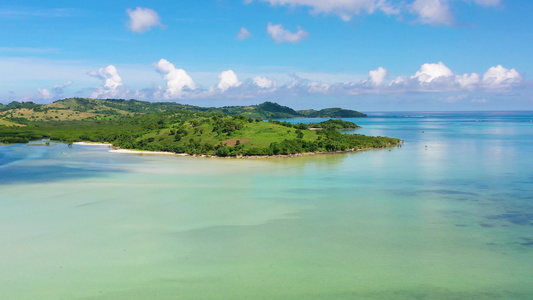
column 449, row 215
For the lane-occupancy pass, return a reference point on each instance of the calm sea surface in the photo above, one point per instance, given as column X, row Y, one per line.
column 449, row 215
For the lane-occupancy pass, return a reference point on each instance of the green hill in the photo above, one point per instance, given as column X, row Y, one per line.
column 239, row 135
column 83, row 108
column 174, row 127
column 271, row 110
column 332, row 113
column 199, row 133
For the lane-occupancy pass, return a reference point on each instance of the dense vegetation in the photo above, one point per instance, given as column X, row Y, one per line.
column 334, row 112
column 200, row 132
column 271, row 110
column 82, row 108
column 335, row 124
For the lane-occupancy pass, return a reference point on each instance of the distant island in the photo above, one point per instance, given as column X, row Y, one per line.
column 231, row 131
column 81, row 108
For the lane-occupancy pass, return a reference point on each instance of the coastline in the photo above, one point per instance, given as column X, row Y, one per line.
column 347, row 128
column 126, row 151
column 142, row 152
column 146, row 152
column 92, row 144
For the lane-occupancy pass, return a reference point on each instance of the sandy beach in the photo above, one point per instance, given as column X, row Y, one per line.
column 146, row 152
column 118, row 150
column 92, row 144
column 142, row 152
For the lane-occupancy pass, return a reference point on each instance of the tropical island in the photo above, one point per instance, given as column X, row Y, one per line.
column 176, row 128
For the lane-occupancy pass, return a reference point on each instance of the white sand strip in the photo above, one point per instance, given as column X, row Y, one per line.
column 145, row 152
column 92, row 144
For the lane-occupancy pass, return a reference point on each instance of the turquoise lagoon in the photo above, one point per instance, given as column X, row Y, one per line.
column 449, row 215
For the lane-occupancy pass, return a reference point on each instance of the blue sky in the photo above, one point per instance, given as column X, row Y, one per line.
column 361, row 54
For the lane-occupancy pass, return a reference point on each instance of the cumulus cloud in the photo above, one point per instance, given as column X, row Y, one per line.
column 467, row 80
column 263, row 82
column 228, row 79
column 377, row 77
column 430, row 78
column 432, row 11
column 243, row 34
column 438, row 77
column 178, row 81
column 318, row 87
column 434, row 78
column 499, row 76
column 56, row 91
column 281, row 35
column 112, row 82
column 345, row 9
column 298, row 86
column 430, row 72
column 400, row 80
column 142, row 19
column 45, row 94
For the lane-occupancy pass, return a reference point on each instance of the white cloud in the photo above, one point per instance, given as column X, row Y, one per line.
column 263, row 82
column 281, row 35
column 498, row 77
column 400, row 80
column 467, row 80
column 45, row 94
column 318, row 87
column 296, row 81
column 377, row 77
column 59, row 89
column 142, row 19
column 430, row 78
column 345, row 9
column 112, row 82
column 433, row 11
column 178, row 81
column 434, row 78
column 228, row 79
column 243, row 34
column 430, row 72
column 303, row 86
column 439, row 78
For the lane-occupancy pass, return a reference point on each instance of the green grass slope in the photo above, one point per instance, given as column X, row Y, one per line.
column 83, row 108
column 242, row 136
column 200, row 133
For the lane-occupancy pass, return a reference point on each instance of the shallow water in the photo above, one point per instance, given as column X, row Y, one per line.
column 449, row 215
